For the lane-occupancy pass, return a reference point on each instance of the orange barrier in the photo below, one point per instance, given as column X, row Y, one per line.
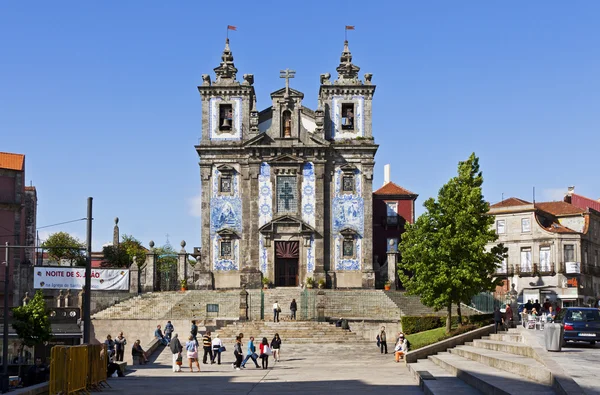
column 75, row 369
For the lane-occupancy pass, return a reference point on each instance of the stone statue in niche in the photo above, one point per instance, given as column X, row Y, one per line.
column 287, row 123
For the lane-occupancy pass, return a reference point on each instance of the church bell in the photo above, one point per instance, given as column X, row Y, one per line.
column 226, row 123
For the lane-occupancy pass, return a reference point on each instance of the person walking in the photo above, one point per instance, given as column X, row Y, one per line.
column 176, row 350
column 276, row 311
column 120, row 343
column 192, row 353
column 217, row 349
column 383, row 340
column 265, row 351
column 159, row 335
column 237, row 351
column 293, row 309
column 250, row 353
column 508, row 317
column 194, row 331
column 207, row 346
column 110, row 347
column 169, row 329
column 276, row 347
column 497, row 318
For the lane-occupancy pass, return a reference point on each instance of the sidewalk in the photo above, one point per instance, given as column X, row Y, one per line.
column 328, row 369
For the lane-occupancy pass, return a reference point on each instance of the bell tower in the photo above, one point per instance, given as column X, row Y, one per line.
column 228, row 106
column 347, row 102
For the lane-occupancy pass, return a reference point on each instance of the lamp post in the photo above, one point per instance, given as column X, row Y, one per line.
column 4, row 383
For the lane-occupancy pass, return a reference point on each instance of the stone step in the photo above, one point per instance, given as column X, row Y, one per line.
column 504, row 346
column 435, row 380
column 507, row 337
column 487, row 379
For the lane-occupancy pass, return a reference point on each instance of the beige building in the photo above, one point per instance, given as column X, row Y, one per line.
column 553, row 250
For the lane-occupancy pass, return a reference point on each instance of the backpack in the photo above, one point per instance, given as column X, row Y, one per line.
column 407, row 345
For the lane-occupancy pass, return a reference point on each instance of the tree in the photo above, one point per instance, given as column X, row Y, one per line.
column 62, row 246
column 445, row 258
column 123, row 254
column 31, row 322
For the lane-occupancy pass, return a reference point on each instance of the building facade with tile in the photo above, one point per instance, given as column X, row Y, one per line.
column 287, row 190
column 553, row 250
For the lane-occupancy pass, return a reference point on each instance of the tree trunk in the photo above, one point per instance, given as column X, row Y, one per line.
column 459, row 313
column 449, row 318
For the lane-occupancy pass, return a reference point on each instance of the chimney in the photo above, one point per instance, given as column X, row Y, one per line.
column 386, row 174
column 570, row 190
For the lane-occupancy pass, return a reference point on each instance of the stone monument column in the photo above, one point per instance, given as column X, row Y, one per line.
column 392, row 268
column 182, row 263
column 150, row 270
column 320, row 204
column 368, row 275
column 134, row 277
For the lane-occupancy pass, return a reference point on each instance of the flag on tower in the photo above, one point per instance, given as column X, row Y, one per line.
column 229, row 27
column 348, row 27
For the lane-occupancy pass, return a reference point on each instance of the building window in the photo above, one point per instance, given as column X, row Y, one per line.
column 225, row 117
column 348, row 183
column 525, row 225
column 347, row 116
column 503, row 266
column 287, row 194
column 500, row 226
column 569, row 250
column 348, row 248
column 225, row 248
column 225, row 184
column 545, row 259
column 526, row 265
column 392, row 213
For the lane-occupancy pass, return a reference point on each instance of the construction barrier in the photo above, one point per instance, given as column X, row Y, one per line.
column 76, row 369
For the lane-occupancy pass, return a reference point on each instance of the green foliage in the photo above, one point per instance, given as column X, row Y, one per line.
column 63, row 246
column 31, row 322
column 422, row 339
column 123, row 254
column 444, row 256
column 166, row 258
column 414, row 324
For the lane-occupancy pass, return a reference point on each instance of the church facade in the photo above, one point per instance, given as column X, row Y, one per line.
column 286, row 191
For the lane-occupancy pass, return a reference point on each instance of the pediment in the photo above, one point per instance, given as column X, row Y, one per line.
column 287, row 221
column 226, row 169
column 349, row 233
column 287, row 159
column 260, row 139
column 227, row 233
column 348, row 168
column 293, row 93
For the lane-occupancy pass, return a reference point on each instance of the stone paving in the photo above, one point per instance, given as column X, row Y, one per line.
column 315, row 369
column 580, row 361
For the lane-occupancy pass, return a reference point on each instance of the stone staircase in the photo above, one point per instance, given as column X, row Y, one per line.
column 498, row 364
column 411, row 305
column 154, row 305
column 291, row 332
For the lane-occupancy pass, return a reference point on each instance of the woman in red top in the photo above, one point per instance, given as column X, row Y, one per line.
column 265, row 351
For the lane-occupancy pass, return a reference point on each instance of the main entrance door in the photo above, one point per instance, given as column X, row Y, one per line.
column 286, row 263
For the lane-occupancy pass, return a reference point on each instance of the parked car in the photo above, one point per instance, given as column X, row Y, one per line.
column 580, row 323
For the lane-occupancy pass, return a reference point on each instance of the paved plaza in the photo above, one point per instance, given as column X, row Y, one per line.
column 330, row 369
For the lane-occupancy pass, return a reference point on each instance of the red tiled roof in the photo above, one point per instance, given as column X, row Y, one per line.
column 393, row 189
column 12, row 161
column 584, row 202
column 510, row 202
column 559, row 208
column 558, row 228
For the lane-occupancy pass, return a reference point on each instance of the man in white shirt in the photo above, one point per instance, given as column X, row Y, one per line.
column 216, row 346
column 276, row 311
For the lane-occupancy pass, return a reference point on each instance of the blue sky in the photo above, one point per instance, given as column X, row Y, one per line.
column 102, row 98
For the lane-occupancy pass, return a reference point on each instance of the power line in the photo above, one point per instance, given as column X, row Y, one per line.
column 62, row 223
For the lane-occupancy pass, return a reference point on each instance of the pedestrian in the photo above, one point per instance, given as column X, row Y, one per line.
column 237, row 351
column 137, row 352
column 120, row 343
column 537, row 306
column 383, row 340
column 547, row 305
column 401, row 347
column 293, row 309
column 192, row 353
column 497, row 318
column 276, row 347
column 276, row 311
column 551, row 314
column 508, row 316
column 250, row 353
column 207, row 346
column 176, row 350
column 529, row 305
column 194, row 331
column 110, row 347
column 265, row 351
column 217, row 349
column 159, row 335
column 169, row 329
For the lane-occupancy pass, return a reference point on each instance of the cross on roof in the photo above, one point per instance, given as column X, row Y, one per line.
column 287, row 74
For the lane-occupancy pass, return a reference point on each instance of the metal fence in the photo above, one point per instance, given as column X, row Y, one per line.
column 486, row 302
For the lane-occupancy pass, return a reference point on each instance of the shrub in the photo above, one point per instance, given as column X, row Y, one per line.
column 414, row 324
column 463, row 329
column 481, row 319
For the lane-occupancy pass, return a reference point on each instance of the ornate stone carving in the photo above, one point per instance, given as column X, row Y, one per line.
column 325, row 79
column 248, row 79
column 206, row 80
column 368, row 77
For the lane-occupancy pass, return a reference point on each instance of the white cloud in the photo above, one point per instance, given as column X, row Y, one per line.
column 194, row 206
column 553, row 194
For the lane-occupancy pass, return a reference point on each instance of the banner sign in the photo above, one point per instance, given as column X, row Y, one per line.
column 46, row 277
column 572, row 268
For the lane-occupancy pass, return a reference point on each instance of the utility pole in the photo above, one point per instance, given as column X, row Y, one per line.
column 87, row 291
column 4, row 383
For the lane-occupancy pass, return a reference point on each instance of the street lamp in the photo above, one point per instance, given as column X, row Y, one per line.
column 4, row 380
